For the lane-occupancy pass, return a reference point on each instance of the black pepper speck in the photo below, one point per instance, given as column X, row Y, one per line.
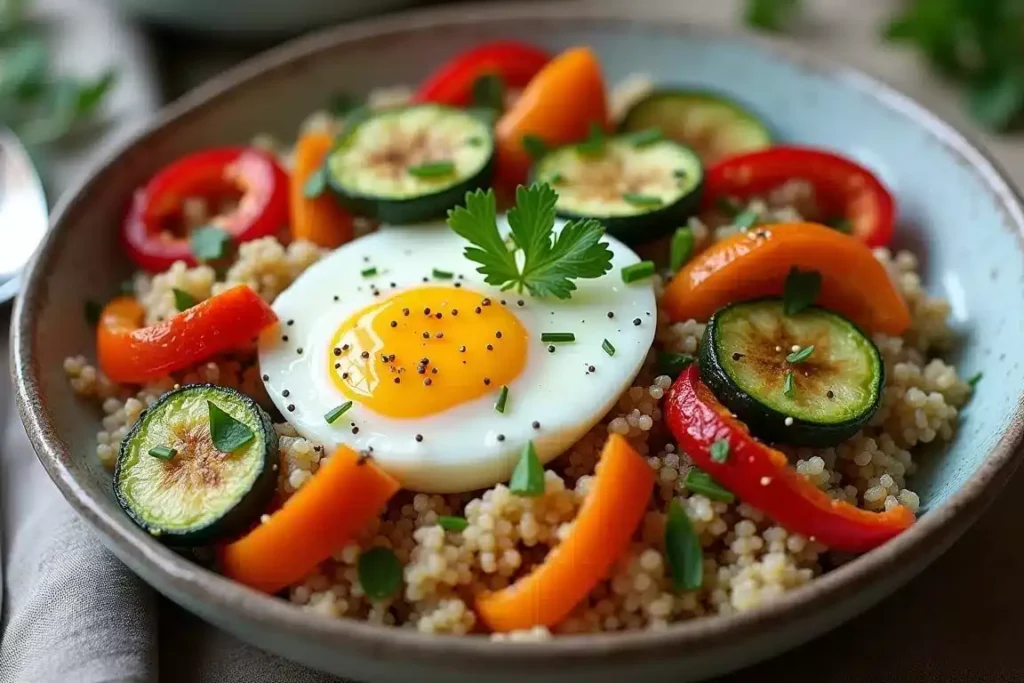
column 591, row 368
column 487, row 381
column 290, row 322
column 536, row 425
column 419, row 437
column 520, row 303
column 611, row 315
column 637, row 321
column 398, row 380
column 286, row 393
column 284, row 337
column 364, row 354
column 501, row 437
column 498, row 334
column 266, row 378
column 551, row 349
column 427, row 382
column 426, row 335
column 337, row 351
column 394, row 323
column 291, row 407
column 490, row 347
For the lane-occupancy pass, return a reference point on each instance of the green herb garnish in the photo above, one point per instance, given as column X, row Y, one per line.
column 332, row 415
column 209, row 243
column 489, row 92
column 681, row 249
column 315, row 184
column 683, row 550
column 720, row 450
column 534, row 146
column 550, row 261
column 452, row 523
column 787, row 385
column 843, row 225
column 800, row 290
column 557, row 337
column 432, row 169
column 637, row 271
column 642, row 138
column 380, row 573
column 673, row 363
column 642, row 200
column 343, row 104
column 701, row 482
column 163, row 452
column 608, row 348
column 556, row 178
column 474, row 141
column 728, row 206
column 442, row 274
column 771, row 15
column 801, row 355
column 745, row 220
column 499, row 405
column 93, row 310
column 227, row 433
column 974, row 379
column 594, row 144
column 368, row 272
column 183, row 300
column 528, row 476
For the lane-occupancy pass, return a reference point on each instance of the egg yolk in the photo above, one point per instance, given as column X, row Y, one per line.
column 425, row 350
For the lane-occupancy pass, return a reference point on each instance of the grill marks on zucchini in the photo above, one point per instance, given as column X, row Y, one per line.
column 411, row 164
column 744, row 359
column 201, row 493
column 639, row 192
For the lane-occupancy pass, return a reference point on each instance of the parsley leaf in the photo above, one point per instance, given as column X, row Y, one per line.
column 209, row 243
column 534, row 146
column 594, row 144
column 489, row 92
column 528, row 476
column 550, row 262
column 183, row 300
column 227, row 433
column 683, row 551
column 800, row 290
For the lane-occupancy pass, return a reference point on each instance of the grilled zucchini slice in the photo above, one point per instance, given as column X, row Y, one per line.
column 174, row 483
column 411, row 164
column 640, row 187
column 755, row 359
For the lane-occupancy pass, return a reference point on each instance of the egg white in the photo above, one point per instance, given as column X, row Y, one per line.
column 460, row 449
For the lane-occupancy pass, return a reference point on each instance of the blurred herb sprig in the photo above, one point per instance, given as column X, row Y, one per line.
column 40, row 105
column 976, row 44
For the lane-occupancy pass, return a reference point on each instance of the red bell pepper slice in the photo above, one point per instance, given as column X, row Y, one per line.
column 130, row 353
column 452, row 83
column 762, row 477
column 844, row 189
column 151, row 231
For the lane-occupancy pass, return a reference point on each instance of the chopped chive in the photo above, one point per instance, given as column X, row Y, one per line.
column 727, row 205
column 489, row 91
column 93, row 310
column 720, row 451
column 209, row 243
column 673, row 363
column 452, row 523
column 369, row 272
column 642, row 138
column 534, row 146
column 528, row 477
column 642, row 200
column 474, row 141
column 183, row 300
column 787, row 385
column 594, row 144
column 315, row 184
column 433, row 169
column 556, row 177
column 701, row 482
column 683, row 551
column 637, row 271
column 499, row 405
column 557, row 337
column 800, row 290
column 333, row 414
column 163, row 452
column 608, row 348
column 681, row 249
column 974, row 379
column 443, row 274
column 380, row 573
column 801, row 355
column 745, row 220
column 227, row 433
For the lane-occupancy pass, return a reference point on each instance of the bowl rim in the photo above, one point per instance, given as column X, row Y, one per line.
column 932, row 533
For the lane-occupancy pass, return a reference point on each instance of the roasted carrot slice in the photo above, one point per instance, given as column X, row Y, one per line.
column 319, row 219
column 318, row 520
column 128, row 352
column 756, row 262
column 602, row 530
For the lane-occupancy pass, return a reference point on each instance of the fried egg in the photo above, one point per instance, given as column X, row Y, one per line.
column 400, row 325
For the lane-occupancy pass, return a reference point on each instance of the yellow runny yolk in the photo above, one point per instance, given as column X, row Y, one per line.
column 425, row 350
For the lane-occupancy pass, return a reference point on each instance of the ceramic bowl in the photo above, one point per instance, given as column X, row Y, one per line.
column 956, row 209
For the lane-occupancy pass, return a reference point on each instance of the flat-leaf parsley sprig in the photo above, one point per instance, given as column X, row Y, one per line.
column 549, row 262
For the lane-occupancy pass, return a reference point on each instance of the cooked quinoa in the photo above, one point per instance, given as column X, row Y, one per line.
column 748, row 559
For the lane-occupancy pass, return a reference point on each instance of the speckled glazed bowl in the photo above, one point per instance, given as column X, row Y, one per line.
column 956, row 209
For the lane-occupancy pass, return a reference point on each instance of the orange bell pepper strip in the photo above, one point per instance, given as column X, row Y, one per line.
column 755, row 263
column 320, row 219
column 558, row 105
column 325, row 514
column 762, row 477
column 130, row 353
column 603, row 528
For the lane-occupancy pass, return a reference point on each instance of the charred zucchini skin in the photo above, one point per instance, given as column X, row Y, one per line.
column 421, row 207
column 764, row 421
column 237, row 518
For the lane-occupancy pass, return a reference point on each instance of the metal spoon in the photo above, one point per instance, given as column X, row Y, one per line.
column 23, row 214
